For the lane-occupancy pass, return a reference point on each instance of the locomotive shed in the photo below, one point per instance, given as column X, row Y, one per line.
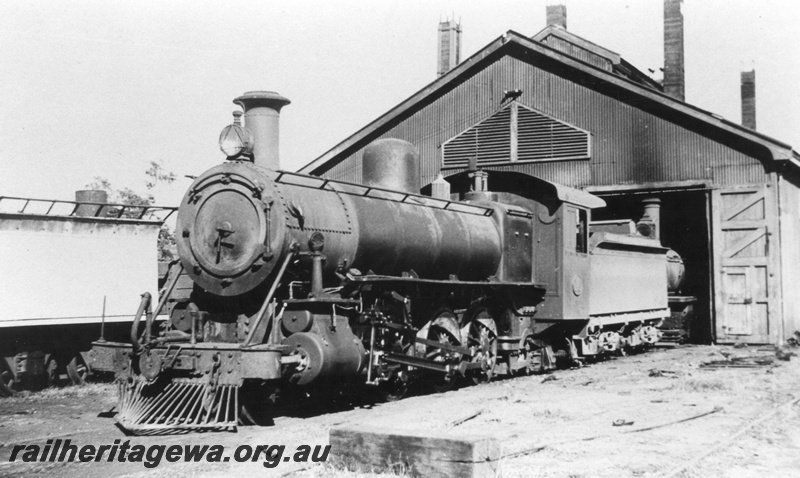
column 563, row 109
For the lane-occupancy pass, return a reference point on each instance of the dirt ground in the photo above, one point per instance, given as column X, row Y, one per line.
column 674, row 418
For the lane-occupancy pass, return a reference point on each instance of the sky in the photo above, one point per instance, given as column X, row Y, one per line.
column 100, row 88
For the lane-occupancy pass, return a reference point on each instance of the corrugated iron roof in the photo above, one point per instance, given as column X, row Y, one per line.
column 618, row 64
column 515, row 42
column 573, row 38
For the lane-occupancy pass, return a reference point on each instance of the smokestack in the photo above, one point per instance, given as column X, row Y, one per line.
column 674, row 83
column 557, row 15
column 652, row 210
column 749, row 99
column 261, row 116
column 449, row 54
column 650, row 224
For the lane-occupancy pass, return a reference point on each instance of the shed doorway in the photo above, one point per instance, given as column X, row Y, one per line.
column 685, row 229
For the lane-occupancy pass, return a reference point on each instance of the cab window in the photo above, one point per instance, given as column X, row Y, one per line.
column 581, row 231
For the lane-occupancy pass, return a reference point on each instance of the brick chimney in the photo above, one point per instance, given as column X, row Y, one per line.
column 749, row 99
column 557, row 15
column 449, row 53
column 674, row 83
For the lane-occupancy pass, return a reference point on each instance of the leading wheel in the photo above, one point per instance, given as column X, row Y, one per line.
column 256, row 405
column 399, row 378
column 397, row 386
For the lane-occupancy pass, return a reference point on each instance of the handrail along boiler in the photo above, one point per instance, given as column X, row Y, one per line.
column 291, row 281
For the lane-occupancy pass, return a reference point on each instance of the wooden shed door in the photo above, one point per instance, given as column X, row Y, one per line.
column 746, row 291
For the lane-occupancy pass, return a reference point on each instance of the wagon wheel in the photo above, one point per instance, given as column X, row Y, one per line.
column 483, row 340
column 443, row 329
column 7, row 379
column 77, row 370
column 52, row 369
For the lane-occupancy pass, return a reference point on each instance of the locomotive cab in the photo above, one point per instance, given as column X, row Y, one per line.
column 557, row 247
column 605, row 287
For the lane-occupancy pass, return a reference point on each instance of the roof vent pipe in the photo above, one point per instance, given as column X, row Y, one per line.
column 261, row 116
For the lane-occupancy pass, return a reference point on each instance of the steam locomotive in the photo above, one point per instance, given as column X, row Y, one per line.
column 288, row 281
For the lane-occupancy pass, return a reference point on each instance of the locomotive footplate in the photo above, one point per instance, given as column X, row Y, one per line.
column 411, row 278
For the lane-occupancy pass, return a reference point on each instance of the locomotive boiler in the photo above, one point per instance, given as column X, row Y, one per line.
column 288, row 281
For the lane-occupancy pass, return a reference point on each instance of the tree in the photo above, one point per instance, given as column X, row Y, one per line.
column 156, row 174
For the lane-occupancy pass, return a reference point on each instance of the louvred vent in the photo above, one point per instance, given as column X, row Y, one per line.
column 516, row 134
column 541, row 138
column 489, row 141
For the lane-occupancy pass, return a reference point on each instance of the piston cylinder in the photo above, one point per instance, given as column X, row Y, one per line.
column 325, row 352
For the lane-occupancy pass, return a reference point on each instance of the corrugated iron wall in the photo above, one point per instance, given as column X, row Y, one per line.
column 789, row 196
column 629, row 145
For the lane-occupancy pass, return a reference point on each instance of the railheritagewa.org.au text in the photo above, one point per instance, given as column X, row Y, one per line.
column 152, row 456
